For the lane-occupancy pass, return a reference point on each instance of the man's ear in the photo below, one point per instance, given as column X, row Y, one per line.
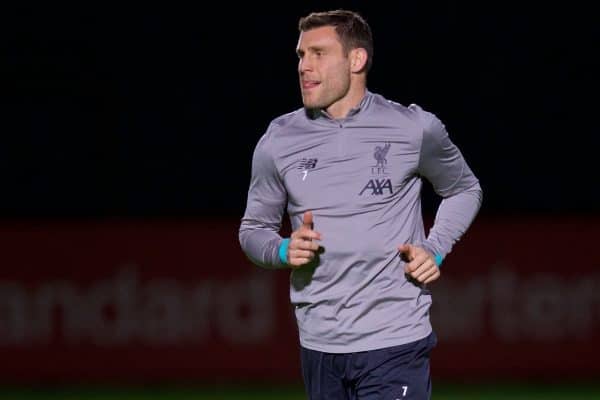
column 358, row 59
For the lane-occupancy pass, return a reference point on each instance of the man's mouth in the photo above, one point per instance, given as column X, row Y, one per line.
column 309, row 84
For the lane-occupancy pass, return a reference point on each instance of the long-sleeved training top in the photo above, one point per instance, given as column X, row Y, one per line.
column 361, row 176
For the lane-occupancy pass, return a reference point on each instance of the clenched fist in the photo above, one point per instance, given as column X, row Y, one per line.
column 303, row 247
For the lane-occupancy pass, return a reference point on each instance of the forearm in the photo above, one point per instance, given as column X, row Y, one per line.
column 454, row 216
column 259, row 229
column 260, row 244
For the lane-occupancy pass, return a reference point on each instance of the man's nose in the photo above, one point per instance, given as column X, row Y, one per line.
column 304, row 65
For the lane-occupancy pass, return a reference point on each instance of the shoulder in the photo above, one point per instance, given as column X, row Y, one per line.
column 279, row 126
column 286, row 122
column 412, row 112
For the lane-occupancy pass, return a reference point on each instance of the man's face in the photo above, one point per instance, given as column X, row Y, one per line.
column 323, row 67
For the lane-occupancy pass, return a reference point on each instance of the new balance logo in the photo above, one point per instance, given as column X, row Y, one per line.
column 377, row 186
column 307, row 163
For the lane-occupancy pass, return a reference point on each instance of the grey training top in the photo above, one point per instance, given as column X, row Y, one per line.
column 361, row 176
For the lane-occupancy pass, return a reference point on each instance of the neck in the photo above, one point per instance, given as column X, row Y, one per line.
column 342, row 107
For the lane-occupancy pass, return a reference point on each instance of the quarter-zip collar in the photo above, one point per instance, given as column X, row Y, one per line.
column 316, row 114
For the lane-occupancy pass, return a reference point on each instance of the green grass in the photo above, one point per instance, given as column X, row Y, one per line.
column 497, row 391
column 517, row 391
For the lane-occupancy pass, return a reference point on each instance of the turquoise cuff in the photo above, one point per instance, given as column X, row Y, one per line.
column 438, row 259
column 283, row 250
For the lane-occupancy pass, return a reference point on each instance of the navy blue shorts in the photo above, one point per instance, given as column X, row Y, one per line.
column 392, row 373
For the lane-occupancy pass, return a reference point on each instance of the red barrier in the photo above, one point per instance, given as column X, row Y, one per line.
column 177, row 300
column 521, row 298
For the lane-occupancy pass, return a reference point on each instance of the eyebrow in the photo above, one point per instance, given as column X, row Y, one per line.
column 313, row 49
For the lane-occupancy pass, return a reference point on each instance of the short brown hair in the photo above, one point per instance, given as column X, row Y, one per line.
column 351, row 27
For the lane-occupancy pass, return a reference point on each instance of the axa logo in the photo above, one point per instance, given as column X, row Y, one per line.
column 377, row 187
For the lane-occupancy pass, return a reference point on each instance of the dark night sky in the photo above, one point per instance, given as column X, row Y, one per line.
column 155, row 111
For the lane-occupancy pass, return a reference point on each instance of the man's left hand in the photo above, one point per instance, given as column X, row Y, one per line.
column 420, row 264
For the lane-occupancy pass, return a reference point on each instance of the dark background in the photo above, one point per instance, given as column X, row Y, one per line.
column 153, row 111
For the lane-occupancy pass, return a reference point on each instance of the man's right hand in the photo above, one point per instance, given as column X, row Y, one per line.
column 303, row 246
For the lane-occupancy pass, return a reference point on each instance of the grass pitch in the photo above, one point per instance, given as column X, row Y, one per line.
column 445, row 391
